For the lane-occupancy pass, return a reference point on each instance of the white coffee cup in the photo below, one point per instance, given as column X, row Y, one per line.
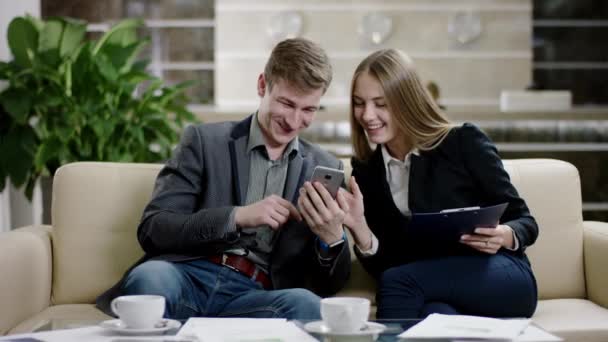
column 345, row 314
column 139, row 311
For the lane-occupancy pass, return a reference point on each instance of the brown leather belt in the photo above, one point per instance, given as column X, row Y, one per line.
column 244, row 266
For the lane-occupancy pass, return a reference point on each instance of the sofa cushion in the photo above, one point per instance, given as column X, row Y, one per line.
column 25, row 283
column 96, row 210
column 573, row 319
column 552, row 191
column 61, row 316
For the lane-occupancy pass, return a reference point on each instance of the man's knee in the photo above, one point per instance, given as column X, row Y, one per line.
column 301, row 304
column 153, row 277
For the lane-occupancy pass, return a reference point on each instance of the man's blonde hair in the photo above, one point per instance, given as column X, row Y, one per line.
column 417, row 117
column 301, row 63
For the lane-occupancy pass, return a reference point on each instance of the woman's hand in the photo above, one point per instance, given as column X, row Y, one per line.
column 354, row 219
column 489, row 240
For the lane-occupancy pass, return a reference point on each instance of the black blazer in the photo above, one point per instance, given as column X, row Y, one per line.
column 464, row 170
column 196, row 191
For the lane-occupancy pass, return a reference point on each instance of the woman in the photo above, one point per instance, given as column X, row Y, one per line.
column 423, row 163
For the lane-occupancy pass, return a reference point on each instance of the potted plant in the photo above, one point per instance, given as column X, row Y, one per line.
column 71, row 99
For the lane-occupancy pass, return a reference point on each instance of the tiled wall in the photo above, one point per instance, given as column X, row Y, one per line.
column 468, row 75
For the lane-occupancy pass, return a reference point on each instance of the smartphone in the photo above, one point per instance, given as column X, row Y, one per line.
column 332, row 179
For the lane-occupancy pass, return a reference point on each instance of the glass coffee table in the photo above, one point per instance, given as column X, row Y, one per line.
column 393, row 328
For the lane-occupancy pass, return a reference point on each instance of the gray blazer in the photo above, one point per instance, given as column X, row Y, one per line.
column 195, row 193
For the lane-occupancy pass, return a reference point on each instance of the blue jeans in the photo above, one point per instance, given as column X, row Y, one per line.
column 498, row 285
column 202, row 288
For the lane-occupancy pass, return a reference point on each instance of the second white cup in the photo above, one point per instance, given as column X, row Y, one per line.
column 139, row 311
column 345, row 314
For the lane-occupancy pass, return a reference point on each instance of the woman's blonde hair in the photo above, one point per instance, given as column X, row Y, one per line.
column 417, row 117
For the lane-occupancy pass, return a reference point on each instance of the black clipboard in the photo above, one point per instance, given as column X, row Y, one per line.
column 449, row 225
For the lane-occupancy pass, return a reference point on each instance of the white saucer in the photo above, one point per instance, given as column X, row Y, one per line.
column 319, row 327
column 117, row 326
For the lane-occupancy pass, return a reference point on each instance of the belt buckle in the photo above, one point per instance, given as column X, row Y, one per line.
column 224, row 262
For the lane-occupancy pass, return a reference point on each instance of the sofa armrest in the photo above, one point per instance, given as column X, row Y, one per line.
column 595, row 248
column 26, row 270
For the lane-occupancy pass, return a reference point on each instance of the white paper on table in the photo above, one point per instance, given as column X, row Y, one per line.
column 92, row 334
column 437, row 326
column 88, row 334
column 536, row 334
column 243, row 329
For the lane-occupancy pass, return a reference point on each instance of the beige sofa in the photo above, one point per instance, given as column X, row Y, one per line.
column 57, row 272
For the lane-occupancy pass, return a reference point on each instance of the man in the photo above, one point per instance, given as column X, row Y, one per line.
column 221, row 233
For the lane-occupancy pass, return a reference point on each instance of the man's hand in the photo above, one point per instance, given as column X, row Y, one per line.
column 489, row 240
column 273, row 211
column 322, row 213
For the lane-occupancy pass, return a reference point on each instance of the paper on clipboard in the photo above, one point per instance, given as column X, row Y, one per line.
column 451, row 224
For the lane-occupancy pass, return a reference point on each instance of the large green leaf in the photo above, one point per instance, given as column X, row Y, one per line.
column 49, row 57
column 49, row 149
column 65, row 133
column 122, row 33
column 106, row 68
column 50, row 36
column 133, row 78
column 45, row 73
column 140, row 65
column 17, row 103
column 22, row 40
column 81, row 68
column 36, row 22
column 102, row 128
column 73, row 35
column 17, row 153
column 50, row 99
column 5, row 70
column 124, row 37
column 123, row 57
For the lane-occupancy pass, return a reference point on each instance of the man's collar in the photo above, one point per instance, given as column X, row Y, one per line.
column 256, row 138
column 255, row 134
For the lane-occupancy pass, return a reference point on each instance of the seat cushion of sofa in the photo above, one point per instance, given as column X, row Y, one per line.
column 63, row 315
column 573, row 319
